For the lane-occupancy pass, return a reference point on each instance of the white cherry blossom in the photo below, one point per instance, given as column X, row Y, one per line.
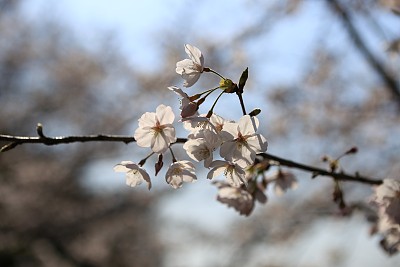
column 241, row 143
column 156, row 130
column 191, row 69
column 199, row 149
column 179, row 172
column 135, row 174
column 234, row 174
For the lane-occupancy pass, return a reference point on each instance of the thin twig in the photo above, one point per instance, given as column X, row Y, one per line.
column 380, row 69
column 321, row 172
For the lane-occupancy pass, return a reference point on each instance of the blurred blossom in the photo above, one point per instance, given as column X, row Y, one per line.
column 236, row 197
column 283, row 181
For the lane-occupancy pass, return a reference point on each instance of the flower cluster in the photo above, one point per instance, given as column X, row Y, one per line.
column 387, row 199
column 225, row 147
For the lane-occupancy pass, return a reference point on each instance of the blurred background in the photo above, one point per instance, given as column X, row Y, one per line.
column 325, row 74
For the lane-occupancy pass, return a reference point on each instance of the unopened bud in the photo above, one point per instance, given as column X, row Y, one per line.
column 159, row 164
column 255, row 112
column 352, row 150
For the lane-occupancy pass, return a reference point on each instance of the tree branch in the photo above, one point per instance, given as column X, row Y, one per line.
column 14, row 141
column 379, row 68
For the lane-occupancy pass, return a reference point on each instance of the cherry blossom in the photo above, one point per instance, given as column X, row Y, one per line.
column 199, row 149
column 387, row 197
column 234, row 174
column 236, row 197
column 179, row 172
column 135, row 175
column 156, row 130
column 191, row 69
column 283, row 181
column 241, row 143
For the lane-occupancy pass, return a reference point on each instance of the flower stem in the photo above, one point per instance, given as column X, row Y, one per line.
column 143, row 161
column 241, row 103
column 212, row 108
column 213, row 71
column 173, row 155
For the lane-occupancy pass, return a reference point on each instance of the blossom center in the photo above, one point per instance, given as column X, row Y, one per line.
column 157, row 128
column 176, row 171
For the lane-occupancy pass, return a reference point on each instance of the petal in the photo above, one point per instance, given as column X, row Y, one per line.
column 122, row 167
column 133, row 179
column 218, row 168
column 169, row 134
column 178, row 91
column 190, row 79
column 143, row 137
column 227, row 150
column 148, row 119
column 184, row 65
column 248, row 125
column 159, row 143
column 230, row 131
column 165, row 114
column 145, row 177
column 194, row 54
column 258, row 143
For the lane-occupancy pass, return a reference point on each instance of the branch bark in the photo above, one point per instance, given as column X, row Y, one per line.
column 390, row 81
column 14, row 141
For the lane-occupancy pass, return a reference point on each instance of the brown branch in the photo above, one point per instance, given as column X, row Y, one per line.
column 14, row 141
column 321, row 172
column 379, row 68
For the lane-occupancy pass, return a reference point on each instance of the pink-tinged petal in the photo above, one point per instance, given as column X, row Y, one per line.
column 146, row 177
column 227, row 150
column 178, row 91
column 258, row 143
column 122, row 167
column 189, row 109
column 143, row 137
column 230, row 131
column 165, row 114
column 218, row 168
column 169, row 133
column 241, row 200
column 148, row 119
column 190, row 79
column 194, row 54
column 159, row 143
column 183, row 65
column 248, row 125
column 133, row 179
